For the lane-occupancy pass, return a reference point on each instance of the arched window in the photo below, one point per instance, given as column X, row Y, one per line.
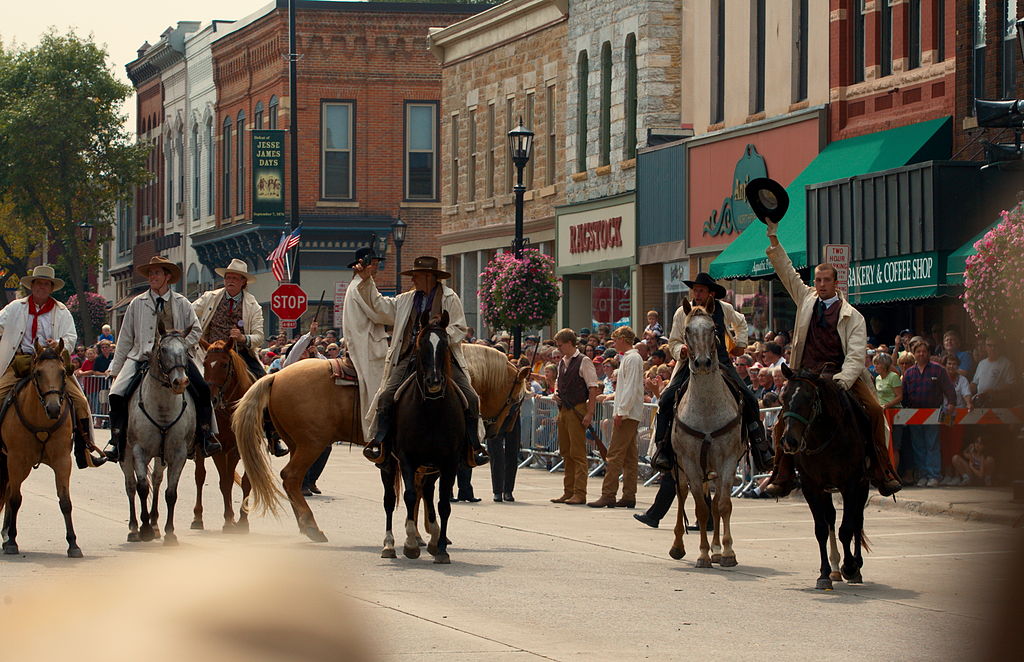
column 582, row 82
column 226, row 166
column 240, row 158
column 195, row 171
column 629, row 140
column 181, row 172
column 605, row 131
column 210, row 167
column 257, row 117
column 272, row 113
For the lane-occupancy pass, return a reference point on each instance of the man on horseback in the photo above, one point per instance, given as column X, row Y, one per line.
column 702, row 289
column 232, row 312
column 404, row 312
column 138, row 334
column 41, row 318
column 366, row 338
column 829, row 331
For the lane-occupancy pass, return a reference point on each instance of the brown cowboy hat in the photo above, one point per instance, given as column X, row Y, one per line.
column 42, row 272
column 163, row 263
column 428, row 264
column 237, row 267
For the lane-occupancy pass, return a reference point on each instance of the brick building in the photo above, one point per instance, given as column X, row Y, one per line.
column 498, row 67
column 368, row 113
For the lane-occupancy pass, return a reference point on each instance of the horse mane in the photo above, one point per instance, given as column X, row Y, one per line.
column 48, row 354
column 237, row 362
column 829, row 390
column 488, row 365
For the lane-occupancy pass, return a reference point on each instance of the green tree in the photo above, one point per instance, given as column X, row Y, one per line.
column 65, row 156
column 20, row 246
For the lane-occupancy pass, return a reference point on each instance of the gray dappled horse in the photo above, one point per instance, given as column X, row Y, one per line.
column 161, row 424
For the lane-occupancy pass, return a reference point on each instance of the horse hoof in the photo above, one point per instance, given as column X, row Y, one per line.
column 231, row 527
column 411, row 552
column 443, row 559
column 10, row 549
column 824, row 584
column 316, row 535
column 170, row 540
column 728, row 562
column 853, row 577
column 703, row 562
column 388, row 554
column 74, row 553
column 134, row 537
column 432, row 548
column 716, row 558
column 677, row 553
column 836, row 576
column 146, row 535
column 197, row 525
column 242, row 526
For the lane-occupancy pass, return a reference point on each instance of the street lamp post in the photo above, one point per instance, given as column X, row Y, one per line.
column 398, row 236
column 520, row 144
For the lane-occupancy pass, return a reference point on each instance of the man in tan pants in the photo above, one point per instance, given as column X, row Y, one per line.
column 576, row 392
column 629, row 409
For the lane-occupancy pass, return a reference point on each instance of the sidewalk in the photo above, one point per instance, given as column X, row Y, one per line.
column 979, row 504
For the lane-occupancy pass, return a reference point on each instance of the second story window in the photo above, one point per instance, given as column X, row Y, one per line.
column 421, row 155
column 272, row 113
column 582, row 83
column 241, row 163
column 336, row 162
column 257, row 117
column 605, row 130
column 225, row 147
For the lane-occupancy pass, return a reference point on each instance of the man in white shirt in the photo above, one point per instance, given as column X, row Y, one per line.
column 994, row 374
column 629, row 410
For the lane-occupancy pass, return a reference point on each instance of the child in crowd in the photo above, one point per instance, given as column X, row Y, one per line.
column 972, row 466
column 653, row 327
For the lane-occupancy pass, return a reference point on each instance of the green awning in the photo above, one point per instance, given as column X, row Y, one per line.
column 898, row 278
column 957, row 262
column 925, row 141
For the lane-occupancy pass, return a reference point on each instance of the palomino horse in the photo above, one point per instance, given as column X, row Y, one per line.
column 707, row 438
column 310, row 411
column 38, row 432
column 161, row 422
column 229, row 378
column 817, row 417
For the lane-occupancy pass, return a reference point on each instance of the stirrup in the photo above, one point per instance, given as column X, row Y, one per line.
column 374, row 452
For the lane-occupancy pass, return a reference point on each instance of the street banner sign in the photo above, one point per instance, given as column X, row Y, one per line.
column 340, row 287
column 838, row 255
column 288, row 301
column 268, row 177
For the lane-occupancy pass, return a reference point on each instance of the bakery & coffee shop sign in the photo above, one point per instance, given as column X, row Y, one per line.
column 892, row 278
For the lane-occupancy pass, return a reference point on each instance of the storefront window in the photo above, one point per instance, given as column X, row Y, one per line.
column 610, row 297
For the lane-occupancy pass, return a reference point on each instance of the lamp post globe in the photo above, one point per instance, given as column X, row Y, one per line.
column 398, row 229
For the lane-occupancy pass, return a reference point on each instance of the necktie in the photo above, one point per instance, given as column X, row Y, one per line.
column 231, row 306
column 821, row 315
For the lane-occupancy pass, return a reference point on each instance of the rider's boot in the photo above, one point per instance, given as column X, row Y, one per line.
column 205, row 441
column 375, row 451
column 783, row 477
column 664, row 459
column 277, row 449
column 476, row 456
column 760, row 448
column 883, row 476
column 82, row 436
column 118, row 429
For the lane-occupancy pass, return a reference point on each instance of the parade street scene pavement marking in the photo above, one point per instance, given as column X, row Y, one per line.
column 534, row 580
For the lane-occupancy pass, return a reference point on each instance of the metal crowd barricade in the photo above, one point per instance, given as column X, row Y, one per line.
column 97, row 392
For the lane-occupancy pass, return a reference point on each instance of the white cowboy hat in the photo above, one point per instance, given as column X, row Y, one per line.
column 237, row 267
column 42, row 272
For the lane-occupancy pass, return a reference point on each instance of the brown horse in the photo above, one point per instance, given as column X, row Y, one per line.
column 310, row 412
column 229, row 378
column 37, row 431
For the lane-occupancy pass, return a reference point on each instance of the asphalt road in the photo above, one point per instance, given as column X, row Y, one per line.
column 532, row 580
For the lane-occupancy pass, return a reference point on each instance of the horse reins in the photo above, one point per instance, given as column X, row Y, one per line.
column 162, row 378
column 815, row 411
column 43, row 435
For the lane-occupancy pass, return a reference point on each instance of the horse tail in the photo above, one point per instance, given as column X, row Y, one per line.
column 247, row 424
column 865, row 543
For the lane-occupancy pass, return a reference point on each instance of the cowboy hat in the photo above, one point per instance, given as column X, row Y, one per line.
column 237, row 267
column 767, row 198
column 428, row 264
column 366, row 253
column 163, row 263
column 42, row 272
column 707, row 281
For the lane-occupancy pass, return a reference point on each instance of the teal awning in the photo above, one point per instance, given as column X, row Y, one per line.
column 957, row 262
column 925, row 141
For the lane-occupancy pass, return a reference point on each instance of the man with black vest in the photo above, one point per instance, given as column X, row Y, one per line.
column 576, row 390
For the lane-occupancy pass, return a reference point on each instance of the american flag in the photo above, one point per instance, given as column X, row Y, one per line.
column 277, row 257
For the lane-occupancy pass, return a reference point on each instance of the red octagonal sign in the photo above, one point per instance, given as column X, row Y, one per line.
column 288, row 301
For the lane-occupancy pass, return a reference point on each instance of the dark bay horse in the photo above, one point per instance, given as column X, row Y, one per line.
column 37, row 430
column 229, row 378
column 427, row 452
column 826, row 434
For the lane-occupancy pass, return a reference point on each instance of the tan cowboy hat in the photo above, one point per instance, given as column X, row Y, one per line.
column 42, row 272
column 237, row 267
column 162, row 262
column 428, row 264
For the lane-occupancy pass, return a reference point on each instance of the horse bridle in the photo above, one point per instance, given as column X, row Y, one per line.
column 41, row 433
column 808, row 422
column 162, row 376
column 61, row 392
column 511, row 404
column 218, row 401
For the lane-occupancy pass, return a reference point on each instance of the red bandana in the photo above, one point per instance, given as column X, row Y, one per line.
column 35, row 313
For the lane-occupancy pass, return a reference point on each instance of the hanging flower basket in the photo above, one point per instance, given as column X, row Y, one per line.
column 992, row 280
column 520, row 292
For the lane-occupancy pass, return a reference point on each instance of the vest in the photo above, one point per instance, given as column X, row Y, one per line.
column 572, row 390
column 823, row 343
column 719, row 317
column 223, row 320
column 167, row 316
column 412, row 327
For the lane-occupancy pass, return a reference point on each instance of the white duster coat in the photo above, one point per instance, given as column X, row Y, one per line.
column 366, row 340
column 14, row 319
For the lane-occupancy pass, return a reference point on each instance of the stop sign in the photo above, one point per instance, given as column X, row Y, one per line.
column 288, row 301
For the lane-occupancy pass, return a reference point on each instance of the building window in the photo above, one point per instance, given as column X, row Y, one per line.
column 454, row 151
column 421, row 155
column 510, row 124
column 226, row 165
column 885, row 39
column 605, row 129
column 257, row 117
column 169, row 193
column 272, row 113
column 337, row 150
column 800, row 51
column 240, row 157
column 940, row 31
column 181, row 171
column 549, row 173
column 629, row 140
column 582, row 82
column 718, row 62
column 471, row 151
column 489, row 164
column 195, row 172
column 857, row 75
column 979, row 49
column 913, row 23
column 210, row 167
column 1011, row 50
column 758, row 52
column 530, row 98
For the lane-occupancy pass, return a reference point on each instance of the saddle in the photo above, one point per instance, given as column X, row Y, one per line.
column 343, row 371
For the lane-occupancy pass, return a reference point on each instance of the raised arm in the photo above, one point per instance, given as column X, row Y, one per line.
column 784, row 266
column 384, row 307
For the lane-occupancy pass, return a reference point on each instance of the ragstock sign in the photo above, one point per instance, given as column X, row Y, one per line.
column 595, row 235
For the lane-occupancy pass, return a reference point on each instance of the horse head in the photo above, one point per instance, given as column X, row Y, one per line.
column 48, row 375
column 432, row 355
column 700, row 337
column 802, row 404
column 170, row 357
column 219, row 367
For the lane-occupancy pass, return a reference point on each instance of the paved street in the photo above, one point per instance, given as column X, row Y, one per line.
column 532, row 580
